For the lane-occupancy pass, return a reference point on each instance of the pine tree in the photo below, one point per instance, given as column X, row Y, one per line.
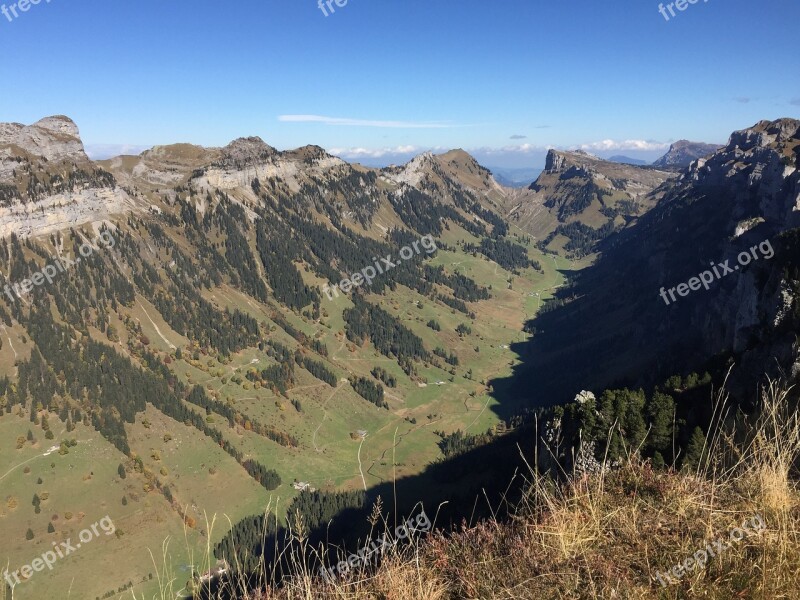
column 661, row 414
column 695, row 451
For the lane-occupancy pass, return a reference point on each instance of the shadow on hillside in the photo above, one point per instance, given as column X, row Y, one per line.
column 610, row 324
column 481, row 483
column 611, row 327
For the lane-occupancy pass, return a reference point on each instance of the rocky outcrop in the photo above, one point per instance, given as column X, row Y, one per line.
column 245, row 152
column 53, row 138
column 65, row 210
column 683, row 153
column 48, row 182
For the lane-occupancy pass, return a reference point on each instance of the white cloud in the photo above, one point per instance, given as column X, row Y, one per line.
column 357, row 153
column 518, row 149
column 364, row 122
column 644, row 145
column 527, row 149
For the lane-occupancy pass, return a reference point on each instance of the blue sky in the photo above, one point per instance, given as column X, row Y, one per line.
column 379, row 80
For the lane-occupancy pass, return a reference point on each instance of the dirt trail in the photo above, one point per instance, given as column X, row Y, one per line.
column 360, row 470
column 324, row 416
column 158, row 331
column 10, row 343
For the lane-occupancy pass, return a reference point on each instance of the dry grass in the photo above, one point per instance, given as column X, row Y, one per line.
column 607, row 536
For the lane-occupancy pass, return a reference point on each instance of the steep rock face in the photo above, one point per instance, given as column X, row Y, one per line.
column 47, row 182
column 615, row 323
column 683, row 153
column 245, row 160
column 52, row 138
column 758, row 164
column 555, row 162
column 64, row 210
column 413, row 173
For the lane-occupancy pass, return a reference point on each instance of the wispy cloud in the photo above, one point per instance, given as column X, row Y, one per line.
column 743, row 100
column 365, row 122
column 624, row 145
column 795, row 101
column 542, row 127
column 518, row 137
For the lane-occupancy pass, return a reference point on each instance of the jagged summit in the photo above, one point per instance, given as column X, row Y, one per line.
column 48, row 182
column 246, row 152
column 766, row 134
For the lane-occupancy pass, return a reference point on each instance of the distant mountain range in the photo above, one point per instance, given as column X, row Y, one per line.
column 514, row 177
column 627, row 160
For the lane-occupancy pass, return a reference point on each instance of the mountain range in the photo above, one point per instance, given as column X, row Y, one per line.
column 193, row 347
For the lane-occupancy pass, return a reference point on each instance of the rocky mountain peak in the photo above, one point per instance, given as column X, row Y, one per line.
column 413, row 172
column 53, row 138
column 59, row 124
column 561, row 160
column 247, row 151
column 683, row 152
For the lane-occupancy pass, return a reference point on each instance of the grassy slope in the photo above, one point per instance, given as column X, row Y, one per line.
column 328, row 458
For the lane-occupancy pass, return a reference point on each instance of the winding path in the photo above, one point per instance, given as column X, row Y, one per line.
column 15, row 467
